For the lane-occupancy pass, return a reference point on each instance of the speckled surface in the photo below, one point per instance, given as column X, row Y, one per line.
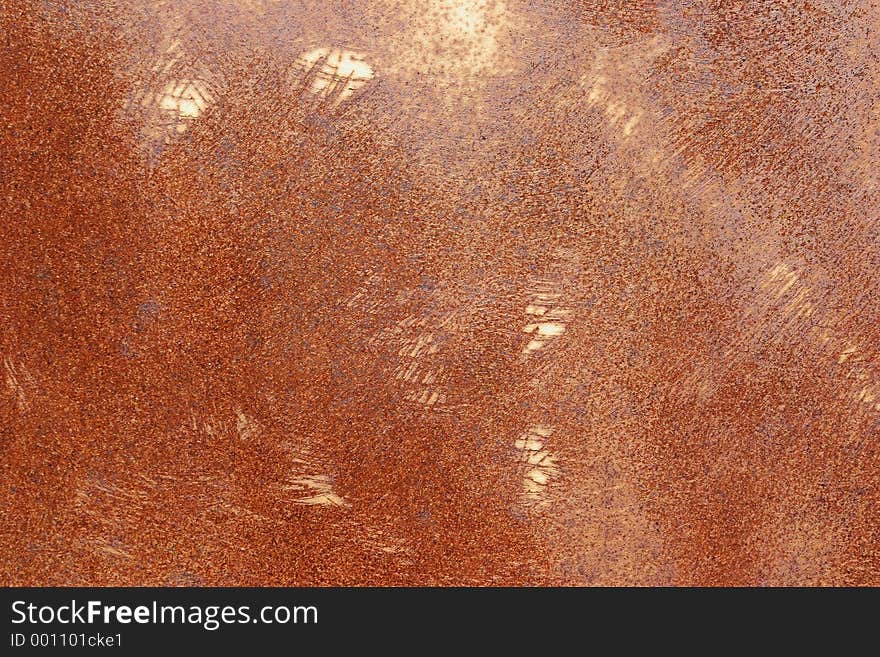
column 440, row 292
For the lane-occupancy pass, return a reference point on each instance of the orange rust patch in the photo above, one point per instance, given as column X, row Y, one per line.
column 555, row 293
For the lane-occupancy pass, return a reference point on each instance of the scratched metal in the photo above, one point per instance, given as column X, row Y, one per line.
column 440, row 292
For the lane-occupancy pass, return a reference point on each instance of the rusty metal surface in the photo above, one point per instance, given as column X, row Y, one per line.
column 439, row 292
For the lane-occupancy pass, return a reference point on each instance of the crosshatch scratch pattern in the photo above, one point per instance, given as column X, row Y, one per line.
column 448, row 292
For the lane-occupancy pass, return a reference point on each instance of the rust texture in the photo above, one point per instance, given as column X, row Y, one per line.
column 440, row 292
